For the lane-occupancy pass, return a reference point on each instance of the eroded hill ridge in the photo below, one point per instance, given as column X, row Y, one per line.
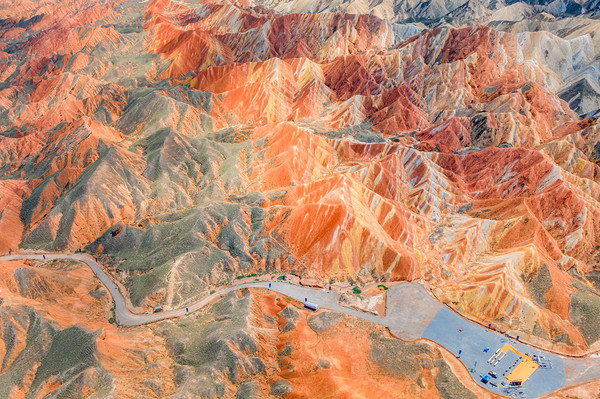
column 192, row 142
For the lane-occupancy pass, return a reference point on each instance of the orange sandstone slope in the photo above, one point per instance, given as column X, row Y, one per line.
column 192, row 142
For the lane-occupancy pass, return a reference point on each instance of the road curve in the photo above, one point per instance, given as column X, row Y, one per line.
column 126, row 318
column 412, row 313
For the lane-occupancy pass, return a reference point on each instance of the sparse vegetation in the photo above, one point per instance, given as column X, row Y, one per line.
column 244, row 276
column 397, row 357
column 448, row 385
column 383, row 287
column 325, row 320
column 291, row 316
column 539, row 285
column 212, row 292
column 584, row 312
column 356, row 290
column 71, row 352
column 217, row 344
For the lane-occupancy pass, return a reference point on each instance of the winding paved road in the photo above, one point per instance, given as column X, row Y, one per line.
column 412, row 313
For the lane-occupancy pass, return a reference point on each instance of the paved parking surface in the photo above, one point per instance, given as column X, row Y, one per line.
column 444, row 329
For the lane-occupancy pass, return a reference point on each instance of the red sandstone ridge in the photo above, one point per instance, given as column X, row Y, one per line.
column 193, row 142
column 11, row 196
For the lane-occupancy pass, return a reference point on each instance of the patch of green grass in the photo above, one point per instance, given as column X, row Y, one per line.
column 356, row 290
column 142, row 285
column 212, row 292
column 383, row 287
column 244, row 276
column 72, row 350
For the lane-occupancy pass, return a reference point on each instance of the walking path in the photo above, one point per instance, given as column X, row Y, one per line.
column 412, row 313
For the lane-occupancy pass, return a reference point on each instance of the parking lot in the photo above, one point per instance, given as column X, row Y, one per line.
column 472, row 342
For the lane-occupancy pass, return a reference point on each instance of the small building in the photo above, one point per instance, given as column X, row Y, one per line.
column 158, row 309
column 311, row 306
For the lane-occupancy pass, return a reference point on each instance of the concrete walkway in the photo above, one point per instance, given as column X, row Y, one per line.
column 411, row 313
